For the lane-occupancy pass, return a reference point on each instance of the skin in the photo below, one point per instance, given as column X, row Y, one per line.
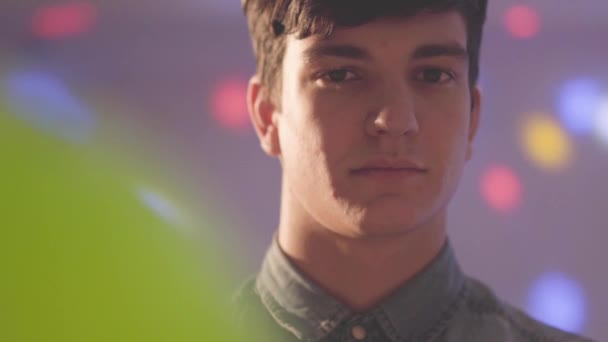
column 399, row 91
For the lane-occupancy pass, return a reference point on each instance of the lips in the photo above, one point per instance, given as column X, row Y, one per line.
column 389, row 166
column 389, row 173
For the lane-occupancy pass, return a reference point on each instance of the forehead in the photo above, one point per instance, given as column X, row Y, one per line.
column 390, row 34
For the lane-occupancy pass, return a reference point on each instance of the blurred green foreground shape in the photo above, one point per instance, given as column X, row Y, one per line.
column 83, row 259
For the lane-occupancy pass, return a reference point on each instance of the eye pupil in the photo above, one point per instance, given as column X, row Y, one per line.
column 432, row 75
column 337, row 75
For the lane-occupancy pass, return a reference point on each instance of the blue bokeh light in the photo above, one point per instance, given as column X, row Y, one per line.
column 161, row 206
column 579, row 101
column 559, row 301
column 47, row 103
column 601, row 122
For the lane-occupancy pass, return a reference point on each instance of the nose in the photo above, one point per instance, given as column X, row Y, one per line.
column 394, row 114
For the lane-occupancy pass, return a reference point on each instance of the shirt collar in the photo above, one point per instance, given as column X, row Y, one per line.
column 302, row 307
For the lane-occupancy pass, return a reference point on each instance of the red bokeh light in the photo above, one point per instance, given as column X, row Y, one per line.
column 229, row 104
column 501, row 188
column 63, row 20
column 522, row 22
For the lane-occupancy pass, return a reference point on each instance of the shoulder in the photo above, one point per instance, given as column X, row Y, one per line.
column 484, row 315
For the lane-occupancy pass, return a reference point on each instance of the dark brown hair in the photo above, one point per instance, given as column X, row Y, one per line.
column 271, row 20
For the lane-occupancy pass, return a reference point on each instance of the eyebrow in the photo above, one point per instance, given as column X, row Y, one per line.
column 440, row 50
column 344, row 51
column 354, row 52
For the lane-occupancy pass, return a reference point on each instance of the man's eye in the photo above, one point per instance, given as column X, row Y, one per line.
column 339, row 76
column 434, row 75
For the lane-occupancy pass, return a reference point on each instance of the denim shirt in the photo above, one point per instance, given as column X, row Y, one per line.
column 439, row 304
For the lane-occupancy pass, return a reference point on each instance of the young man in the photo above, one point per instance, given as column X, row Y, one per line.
column 371, row 108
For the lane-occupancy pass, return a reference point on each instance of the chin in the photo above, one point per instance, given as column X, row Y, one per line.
column 386, row 223
column 382, row 228
column 387, row 216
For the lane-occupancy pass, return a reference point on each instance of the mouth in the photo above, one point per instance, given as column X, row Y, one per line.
column 386, row 171
column 391, row 169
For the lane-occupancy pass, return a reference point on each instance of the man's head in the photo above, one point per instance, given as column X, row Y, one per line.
column 370, row 106
column 271, row 21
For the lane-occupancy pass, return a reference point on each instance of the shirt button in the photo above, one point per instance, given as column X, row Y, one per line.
column 359, row 332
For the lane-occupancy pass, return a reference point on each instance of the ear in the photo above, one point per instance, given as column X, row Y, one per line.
column 263, row 115
column 474, row 120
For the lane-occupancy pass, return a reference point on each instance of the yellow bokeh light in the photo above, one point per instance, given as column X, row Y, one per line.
column 545, row 142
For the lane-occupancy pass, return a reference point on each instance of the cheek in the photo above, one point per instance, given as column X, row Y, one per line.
column 305, row 135
column 445, row 118
column 444, row 130
column 338, row 122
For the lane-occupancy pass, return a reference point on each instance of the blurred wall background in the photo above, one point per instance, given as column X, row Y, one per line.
column 162, row 83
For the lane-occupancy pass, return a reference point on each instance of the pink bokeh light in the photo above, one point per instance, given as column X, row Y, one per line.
column 501, row 188
column 229, row 105
column 63, row 20
column 522, row 22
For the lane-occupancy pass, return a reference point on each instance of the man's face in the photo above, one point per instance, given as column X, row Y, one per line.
column 376, row 123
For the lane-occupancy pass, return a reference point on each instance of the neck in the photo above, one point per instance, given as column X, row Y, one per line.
column 360, row 272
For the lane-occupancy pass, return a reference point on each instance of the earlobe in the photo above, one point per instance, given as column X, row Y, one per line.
column 263, row 117
column 474, row 120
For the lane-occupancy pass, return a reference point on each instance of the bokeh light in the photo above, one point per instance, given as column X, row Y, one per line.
column 559, row 301
column 46, row 102
column 601, row 122
column 522, row 21
column 162, row 206
column 96, row 246
column 578, row 103
column 501, row 188
column 229, row 105
column 63, row 20
column 545, row 142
